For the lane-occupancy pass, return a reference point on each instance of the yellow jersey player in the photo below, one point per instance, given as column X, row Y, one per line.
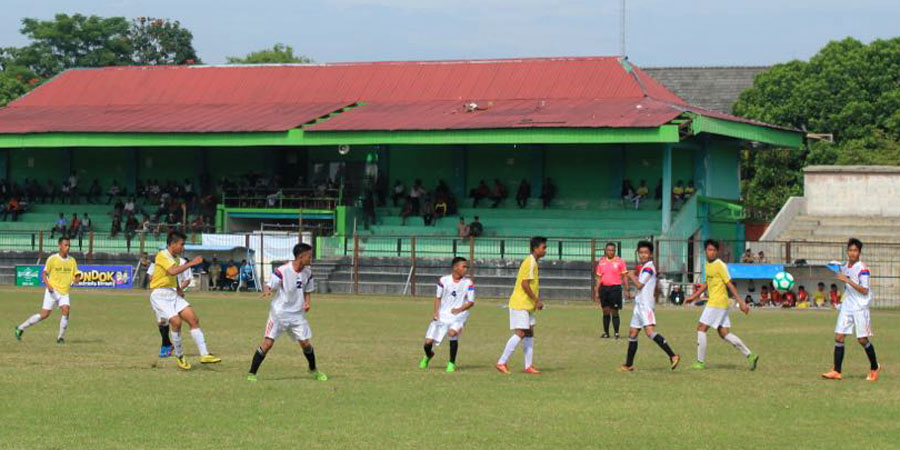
column 715, row 314
column 168, row 302
column 59, row 273
column 523, row 303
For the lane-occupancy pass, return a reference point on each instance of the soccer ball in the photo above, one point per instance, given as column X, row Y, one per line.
column 783, row 281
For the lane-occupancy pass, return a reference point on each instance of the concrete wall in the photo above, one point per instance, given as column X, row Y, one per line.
column 852, row 191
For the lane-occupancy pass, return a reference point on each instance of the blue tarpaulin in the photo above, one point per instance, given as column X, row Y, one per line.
column 754, row 271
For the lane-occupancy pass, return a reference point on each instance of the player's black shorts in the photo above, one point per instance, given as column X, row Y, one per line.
column 611, row 297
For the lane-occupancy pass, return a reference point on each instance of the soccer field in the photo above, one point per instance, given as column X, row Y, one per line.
column 105, row 388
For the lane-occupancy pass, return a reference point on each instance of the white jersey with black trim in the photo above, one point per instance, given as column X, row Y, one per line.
column 646, row 297
column 853, row 300
column 454, row 294
column 291, row 288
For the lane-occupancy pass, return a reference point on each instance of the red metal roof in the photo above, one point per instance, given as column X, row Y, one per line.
column 200, row 118
column 416, row 95
column 453, row 115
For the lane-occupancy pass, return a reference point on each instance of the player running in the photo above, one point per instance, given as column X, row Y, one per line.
column 608, row 288
column 644, row 303
column 59, row 273
column 293, row 283
column 167, row 300
column 455, row 296
column 184, row 280
column 715, row 314
column 854, row 312
column 523, row 303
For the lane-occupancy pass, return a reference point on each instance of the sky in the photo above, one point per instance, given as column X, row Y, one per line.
column 658, row 32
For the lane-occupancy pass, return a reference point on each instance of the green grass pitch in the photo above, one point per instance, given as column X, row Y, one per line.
column 106, row 388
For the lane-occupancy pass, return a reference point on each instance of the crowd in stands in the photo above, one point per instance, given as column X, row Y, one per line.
column 680, row 193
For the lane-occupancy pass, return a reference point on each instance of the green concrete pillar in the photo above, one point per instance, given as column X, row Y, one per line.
column 460, row 172
column 667, row 188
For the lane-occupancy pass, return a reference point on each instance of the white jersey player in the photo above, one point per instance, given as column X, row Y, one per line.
column 454, row 297
column 854, row 314
column 644, row 305
column 292, row 284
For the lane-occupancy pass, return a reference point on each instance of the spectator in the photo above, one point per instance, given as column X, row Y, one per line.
column 523, row 193
column 819, row 296
column 689, row 190
column 113, row 192
column 94, row 192
column 476, row 229
column 834, row 296
column 641, row 193
column 143, row 266
column 462, row 230
column 369, row 209
column 197, row 224
column 749, row 300
column 678, row 191
column 74, row 225
column 479, row 193
column 245, row 275
column 145, row 225
column 761, row 257
column 86, row 225
column 790, row 300
column 129, row 207
column 802, row 298
column 73, row 187
column 381, row 189
column 676, row 297
column 627, row 192
column 50, row 193
column 66, row 193
column 440, row 206
column 131, row 226
column 498, row 193
column 777, row 297
column 427, row 210
column 406, row 211
column 548, row 192
column 215, row 272
column 751, row 286
column 399, row 193
column 765, row 297
column 12, row 207
column 231, row 275
column 417, row 193
column 748, row 257
column 116, row 226
column 59, row 226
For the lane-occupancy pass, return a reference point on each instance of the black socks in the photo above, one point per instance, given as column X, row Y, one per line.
column 258, row 358
column 606, row 319
column 615, row 321
column 838, row 356
column 661, row 341
column 873, row 360
column 454, row 347
column 632, row 349
column 428, row 352
column 310, row 355
column 164, row 334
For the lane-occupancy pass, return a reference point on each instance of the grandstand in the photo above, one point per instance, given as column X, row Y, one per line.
column 321, row 146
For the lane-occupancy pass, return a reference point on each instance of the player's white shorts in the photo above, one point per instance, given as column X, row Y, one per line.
column 297, row 327
column 642, row 317
column 520, row 319
column 167, row 303
column 437, row 329
column 52, row 299
column 847, row 321
column 715, row 318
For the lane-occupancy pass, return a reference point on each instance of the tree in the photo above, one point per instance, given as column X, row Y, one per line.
column 279, row 53
column 849, row 89
column 161, row 41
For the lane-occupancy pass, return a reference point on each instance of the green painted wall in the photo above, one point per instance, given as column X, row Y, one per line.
column 39, row 163
column 428, row 163
column 724, row 173
column 508, row 163
column 103, row 164
column 234, row 162
column 164, row 164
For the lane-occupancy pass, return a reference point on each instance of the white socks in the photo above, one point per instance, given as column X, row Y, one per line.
column 737, row 343
column 510, row 348
column 701, row 346
column 30, row 321
column 197, row 334
column 176, row 343
column 528, row 347
column 63, row 324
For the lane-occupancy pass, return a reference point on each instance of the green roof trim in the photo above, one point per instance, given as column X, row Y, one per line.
column 298, row 137
column 746, row 131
